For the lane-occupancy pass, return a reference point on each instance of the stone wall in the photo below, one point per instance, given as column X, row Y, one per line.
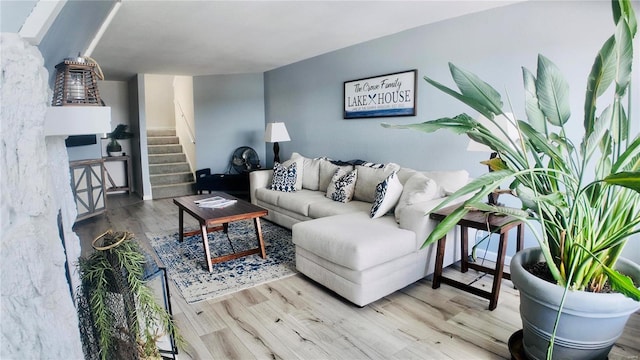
column 38, row 316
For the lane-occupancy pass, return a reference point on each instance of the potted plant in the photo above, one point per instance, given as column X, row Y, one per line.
column 119, row 315
column 119, row 133
column 581, row 201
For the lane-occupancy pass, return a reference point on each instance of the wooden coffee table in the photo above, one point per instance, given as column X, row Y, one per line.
column 219, row 219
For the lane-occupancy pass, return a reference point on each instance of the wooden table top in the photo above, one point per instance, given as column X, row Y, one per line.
column 478, row 219
column 241, row 210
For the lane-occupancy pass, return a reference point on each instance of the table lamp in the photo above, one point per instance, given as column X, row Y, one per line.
column 511, row 135
column 274, row 133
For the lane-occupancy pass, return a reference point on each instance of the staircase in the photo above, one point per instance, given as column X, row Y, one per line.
column 169, row 170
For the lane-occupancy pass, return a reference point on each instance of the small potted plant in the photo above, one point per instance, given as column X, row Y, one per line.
column 119, row 133
column 580, row 200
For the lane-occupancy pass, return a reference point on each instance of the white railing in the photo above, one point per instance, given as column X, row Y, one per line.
column 186, row 121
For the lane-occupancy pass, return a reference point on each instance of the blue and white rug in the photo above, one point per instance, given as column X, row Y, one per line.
column 185, row 262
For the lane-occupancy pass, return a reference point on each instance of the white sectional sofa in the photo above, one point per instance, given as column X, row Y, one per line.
column 339, row 244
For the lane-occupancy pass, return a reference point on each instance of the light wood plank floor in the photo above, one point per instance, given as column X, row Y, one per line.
column 295, row 318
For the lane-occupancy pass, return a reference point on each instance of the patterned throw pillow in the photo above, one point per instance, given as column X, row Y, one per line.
column 387, row 194
column 284, row 178
column 342, row 185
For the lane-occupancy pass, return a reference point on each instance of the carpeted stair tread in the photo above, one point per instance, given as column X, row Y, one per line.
column 173, row 190
column 163, row 140
column 171, row 178
column 164, row 149
column 169, row 168
column 167, row 158
column 161, row 132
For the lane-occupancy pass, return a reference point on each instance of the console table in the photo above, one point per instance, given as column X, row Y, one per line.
column 127, row 174
column 495, row 224
column 87, row 180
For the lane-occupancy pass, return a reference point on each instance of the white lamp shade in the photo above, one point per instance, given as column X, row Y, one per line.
column 504, row 123
column 276, row 132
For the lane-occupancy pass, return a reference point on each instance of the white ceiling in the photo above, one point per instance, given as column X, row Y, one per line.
column 230, row 37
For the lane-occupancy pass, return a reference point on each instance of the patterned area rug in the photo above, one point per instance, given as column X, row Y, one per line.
column 187, row 268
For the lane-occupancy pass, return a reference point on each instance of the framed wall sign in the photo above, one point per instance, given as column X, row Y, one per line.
column 384, row 95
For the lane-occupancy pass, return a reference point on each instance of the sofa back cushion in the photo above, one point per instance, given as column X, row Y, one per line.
column 310, row 171
column 449, row 181
column 327, row 170
column 418, row 188
column 369, row 178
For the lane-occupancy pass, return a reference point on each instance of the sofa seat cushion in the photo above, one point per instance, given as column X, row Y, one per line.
column 354, row 241
column 327, row 207
column 299, row 201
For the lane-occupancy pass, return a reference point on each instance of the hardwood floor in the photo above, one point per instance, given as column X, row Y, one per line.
column 295, row 318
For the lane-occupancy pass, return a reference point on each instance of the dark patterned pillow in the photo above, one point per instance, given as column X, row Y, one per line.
column 284, row 178
column 387, row 195
column 342, row 185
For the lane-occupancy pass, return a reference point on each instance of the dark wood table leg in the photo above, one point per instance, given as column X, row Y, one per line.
column 497, row 277
column 437, row 273
column 464, row 249
column 205, row 243
column 180, row 224
column 520, row 238
column 256, row 224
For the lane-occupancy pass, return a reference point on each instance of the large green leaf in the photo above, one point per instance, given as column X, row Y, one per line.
column 488, row 182
column 622, row 283
column 532, row 108
column 473, row 87
column 628, row 179
column 480, row 107
column 553, row 92
column 460, row 124
column 622, row 10
column 624, row 57
column 539, row 141
column 600, row 127
column 629, row 160
column 602, row 75
column 451, row 220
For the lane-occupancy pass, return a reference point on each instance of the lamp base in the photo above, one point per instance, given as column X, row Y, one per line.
column 276, row 152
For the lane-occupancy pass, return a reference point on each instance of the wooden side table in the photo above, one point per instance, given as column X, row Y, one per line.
column 496, row 224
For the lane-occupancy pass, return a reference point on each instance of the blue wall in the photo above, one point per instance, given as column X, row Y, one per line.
column 229, row 113
column 494, row 44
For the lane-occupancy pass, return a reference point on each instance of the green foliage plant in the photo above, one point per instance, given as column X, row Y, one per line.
column 581, row 201
column 119, row 133
column 100, row 273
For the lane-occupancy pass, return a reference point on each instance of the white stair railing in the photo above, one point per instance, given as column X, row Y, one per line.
column 186, row 121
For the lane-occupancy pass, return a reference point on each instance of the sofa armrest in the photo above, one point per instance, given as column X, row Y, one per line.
column 259, row 179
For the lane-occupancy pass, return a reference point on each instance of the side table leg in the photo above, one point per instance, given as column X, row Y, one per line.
column 180, row 225
column 437, row 273
column 205, row 243
column 464, row 249
column 497, row 277
column 256, row 224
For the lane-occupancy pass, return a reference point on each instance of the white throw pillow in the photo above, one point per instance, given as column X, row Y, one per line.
column 342, row 185
column 327, row 170
column 369, row 178
column 284, row 177
column 299, row 161
column 418, row 188
column 388, row 193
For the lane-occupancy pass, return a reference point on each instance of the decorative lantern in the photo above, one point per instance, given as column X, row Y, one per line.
column 77, row 83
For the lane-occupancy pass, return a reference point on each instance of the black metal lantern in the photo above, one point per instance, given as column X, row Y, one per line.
column 77, row 83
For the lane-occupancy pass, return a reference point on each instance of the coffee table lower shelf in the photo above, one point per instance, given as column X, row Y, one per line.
column 219, row 219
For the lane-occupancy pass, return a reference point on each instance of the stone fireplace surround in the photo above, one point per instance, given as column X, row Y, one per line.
column 38, row 252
